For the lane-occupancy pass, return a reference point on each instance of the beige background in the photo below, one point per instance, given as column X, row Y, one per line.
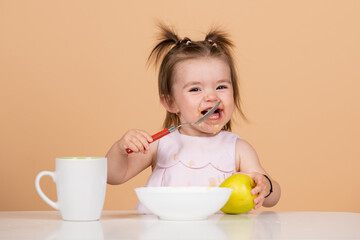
column 73, row 79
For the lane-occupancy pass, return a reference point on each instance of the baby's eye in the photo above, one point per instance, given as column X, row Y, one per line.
column 194, row 89
column 222, row 87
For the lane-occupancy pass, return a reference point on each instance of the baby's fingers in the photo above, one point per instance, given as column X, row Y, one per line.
column 146, row 136
column 135, row 145
column 259, row 200
column 256, row 190
column 145, row 140
column 139, row 142
column 259, row 185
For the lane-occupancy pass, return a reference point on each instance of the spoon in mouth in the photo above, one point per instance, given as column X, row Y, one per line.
column 171, row 129
column 203, row 118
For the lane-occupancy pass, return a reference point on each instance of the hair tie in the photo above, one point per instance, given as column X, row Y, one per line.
column 271, row 187
column 213, row 44
column 185, row 41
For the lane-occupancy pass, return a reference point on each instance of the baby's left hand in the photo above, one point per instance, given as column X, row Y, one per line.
column 262, row 188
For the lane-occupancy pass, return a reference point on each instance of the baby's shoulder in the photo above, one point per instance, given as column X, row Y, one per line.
column 245, row 155
column 243, row 145
column 242, row 142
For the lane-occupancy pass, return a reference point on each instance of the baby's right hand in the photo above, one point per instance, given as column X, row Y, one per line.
column 136, row 140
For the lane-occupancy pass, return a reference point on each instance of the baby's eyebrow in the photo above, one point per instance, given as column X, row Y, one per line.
column 224, row 81
column 191, row 84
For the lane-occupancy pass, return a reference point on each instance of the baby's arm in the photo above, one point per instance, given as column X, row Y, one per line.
column 123, row 166
column 247, row 162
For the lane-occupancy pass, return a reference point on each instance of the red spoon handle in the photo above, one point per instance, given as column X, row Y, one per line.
column 155, row 137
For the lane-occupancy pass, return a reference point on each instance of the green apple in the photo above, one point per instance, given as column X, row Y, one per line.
column 240, row 200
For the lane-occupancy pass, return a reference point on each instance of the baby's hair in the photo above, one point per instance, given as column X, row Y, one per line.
column 171, row 50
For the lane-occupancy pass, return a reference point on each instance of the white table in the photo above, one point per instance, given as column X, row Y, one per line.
column 131, row 225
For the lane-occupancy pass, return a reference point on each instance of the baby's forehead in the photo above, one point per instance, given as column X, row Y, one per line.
column 205, row 66
column 201, row 60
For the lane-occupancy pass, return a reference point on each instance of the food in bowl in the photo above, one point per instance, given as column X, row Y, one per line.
column 183, row 203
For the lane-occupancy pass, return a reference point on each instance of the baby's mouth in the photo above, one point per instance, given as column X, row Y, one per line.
column 215, row 116
column 205, row 111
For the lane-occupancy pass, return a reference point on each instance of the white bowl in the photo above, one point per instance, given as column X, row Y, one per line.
column 183, row 203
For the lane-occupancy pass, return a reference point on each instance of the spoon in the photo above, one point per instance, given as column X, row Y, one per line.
column 171, row 129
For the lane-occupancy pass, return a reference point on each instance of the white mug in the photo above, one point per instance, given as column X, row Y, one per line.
column 80, row 186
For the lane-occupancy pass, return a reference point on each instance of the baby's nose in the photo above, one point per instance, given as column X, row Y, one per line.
column 211, row 96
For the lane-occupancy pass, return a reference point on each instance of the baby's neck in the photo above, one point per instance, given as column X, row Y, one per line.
column 197, row 133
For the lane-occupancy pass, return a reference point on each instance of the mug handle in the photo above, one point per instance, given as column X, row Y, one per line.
column 40, row 192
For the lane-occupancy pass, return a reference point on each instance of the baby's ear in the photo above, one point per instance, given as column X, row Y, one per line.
column 169, row 103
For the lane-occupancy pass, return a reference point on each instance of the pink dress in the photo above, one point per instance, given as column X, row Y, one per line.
column 184, row 160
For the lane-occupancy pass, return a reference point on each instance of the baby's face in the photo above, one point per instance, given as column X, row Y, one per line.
column 198, row 85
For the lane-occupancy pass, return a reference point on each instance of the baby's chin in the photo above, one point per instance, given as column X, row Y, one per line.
column 210, row 128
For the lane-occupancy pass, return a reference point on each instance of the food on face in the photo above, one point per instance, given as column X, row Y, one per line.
column 241, row 200
column 199, row 113
column 215, row 128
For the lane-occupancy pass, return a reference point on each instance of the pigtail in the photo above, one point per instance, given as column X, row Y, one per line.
column 167, row 38
column 219, row 39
